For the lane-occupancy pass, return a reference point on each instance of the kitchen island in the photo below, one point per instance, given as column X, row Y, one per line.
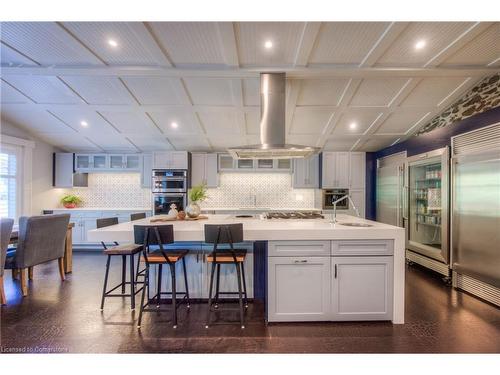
column 310, row 269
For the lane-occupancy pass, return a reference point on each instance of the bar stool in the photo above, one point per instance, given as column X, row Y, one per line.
column 123, row 251
column 226, row 235
column 139, row 273
column 160, row 235
column 137, row 216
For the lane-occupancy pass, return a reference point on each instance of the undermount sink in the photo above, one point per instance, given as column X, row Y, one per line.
column 364, row 225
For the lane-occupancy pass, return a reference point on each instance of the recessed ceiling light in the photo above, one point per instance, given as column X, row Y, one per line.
column 420, row 44
column 353, row 125
column 112, row 43
column 84, row 123
column 268, row 44
column 174, row 125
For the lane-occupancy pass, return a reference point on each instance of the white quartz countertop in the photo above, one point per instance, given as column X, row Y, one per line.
column 260, row 229
column 258, row 209
column 97, row 209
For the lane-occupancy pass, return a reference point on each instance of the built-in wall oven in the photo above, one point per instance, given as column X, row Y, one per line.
column 331, row 195
column 169, row 187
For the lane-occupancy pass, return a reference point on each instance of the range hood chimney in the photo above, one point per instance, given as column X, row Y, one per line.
column 272, row 125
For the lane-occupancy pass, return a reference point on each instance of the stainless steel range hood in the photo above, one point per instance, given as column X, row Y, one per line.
column 272, row 125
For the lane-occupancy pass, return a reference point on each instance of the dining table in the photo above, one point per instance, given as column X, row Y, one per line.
column 68, row 245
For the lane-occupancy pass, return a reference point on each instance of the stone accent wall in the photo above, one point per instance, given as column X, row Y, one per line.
column 482, row 97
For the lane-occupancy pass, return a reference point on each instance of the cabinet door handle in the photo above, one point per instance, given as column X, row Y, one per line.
column 301, row 261
column 335, row 271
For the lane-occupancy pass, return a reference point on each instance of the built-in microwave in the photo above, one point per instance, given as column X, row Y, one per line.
column 331, row 195
column 163, row 201
column 169, row 181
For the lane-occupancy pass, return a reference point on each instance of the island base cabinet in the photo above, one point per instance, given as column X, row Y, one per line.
column 298, row 289
column 362, row 288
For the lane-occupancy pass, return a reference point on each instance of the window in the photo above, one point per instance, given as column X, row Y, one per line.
column 10, row 180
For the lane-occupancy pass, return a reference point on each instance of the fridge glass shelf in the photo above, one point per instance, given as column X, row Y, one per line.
column 428, row 224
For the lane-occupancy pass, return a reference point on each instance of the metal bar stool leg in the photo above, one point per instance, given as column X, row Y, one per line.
column 240, row 297
column 105, row 282
column 136, row 278
column 217, row 284
column 124, row 272
column 174, row 295
column 132, row 283
column 244, row 284
column 144, row 286
column 210, row 294
column 186, row 282
column 158, row 297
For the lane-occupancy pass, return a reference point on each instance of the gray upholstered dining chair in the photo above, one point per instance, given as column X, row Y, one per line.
column 5, row 231
column 41, row 240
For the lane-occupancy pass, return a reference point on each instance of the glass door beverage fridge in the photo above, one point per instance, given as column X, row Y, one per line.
column 427, row 228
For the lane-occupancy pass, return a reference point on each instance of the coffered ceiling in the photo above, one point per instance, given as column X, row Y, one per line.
column 106, row 86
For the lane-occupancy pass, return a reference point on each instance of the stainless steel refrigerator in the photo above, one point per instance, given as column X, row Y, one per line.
column 476, row 212
column 427, row 234
column 391, row 204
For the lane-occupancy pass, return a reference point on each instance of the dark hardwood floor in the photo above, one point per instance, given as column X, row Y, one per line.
column 65, row 317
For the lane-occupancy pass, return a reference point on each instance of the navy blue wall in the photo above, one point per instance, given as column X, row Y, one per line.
column 435, row 139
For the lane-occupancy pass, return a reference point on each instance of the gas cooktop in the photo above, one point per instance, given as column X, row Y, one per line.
column 294, row 215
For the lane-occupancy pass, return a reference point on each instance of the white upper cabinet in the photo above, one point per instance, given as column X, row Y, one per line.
column 343, row 170
column 107, row 162
column 228, row 164
column 204, row 169
column 146, row 170
column 170, row 160
column 306, row 173
column 63, row 170
column 357, row 170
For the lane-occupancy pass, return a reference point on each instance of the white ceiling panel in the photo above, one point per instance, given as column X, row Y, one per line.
column 100, row 90
column 46, row 43
column 194, row 143
column 309, row 121
column 10, row 95
column 251, row 92
column 74, row 142
column 150, row 143
column 304, row 139
column 220, row 144
column 135, row 45
column 321, row 91
column 156, row 90
column 37, row 121
column 375, row 144
column 436, row 35
column 95, row 124
column 111, row 142
column 377, row 91
column 251, row 37
column 483, row 50
column 400, row 122
column 355, row 122
column 431, row 91
column 221, row 123
column 210, row 91
column 45, row 90
column 187, row 123
column 340, row 143
column 335, row 41
column 131, row 122
column 190, row 43
column 9, row 56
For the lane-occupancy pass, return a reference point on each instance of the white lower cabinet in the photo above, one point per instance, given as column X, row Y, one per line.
column 362, row 288
column 298, row 289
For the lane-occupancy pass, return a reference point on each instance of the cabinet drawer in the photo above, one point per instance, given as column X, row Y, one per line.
column 299, row 248
column 362, row 247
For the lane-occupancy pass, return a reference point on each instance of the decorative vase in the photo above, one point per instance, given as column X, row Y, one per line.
column 69, row 205
column 193, row 210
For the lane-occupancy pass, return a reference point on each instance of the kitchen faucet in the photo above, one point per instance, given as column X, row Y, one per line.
column 334, row 218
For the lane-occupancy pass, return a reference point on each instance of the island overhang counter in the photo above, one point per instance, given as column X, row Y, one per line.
column 353, row 263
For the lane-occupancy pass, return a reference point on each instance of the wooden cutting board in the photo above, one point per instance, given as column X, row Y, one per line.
column 164, row 219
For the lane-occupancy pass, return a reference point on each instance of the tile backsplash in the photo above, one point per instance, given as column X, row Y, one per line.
column 114, row 190
column 269, row 190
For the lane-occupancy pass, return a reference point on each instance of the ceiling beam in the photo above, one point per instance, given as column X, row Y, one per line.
column 307, row 43
column 314, row 71
column 228, row 43
column 388, row 37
